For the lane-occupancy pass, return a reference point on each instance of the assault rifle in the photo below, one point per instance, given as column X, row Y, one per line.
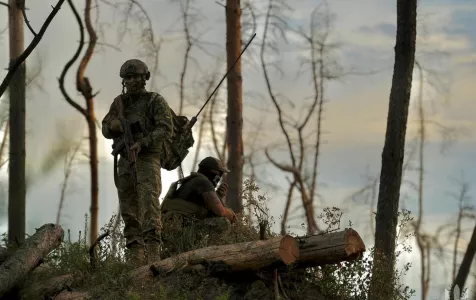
column 126, row 141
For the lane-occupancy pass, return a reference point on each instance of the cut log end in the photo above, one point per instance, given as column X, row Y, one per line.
column 288, row 249
column 330, row 248
column 355, row 246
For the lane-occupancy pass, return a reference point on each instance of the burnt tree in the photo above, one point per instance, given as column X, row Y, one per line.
column 16, row 170
column 393, row 151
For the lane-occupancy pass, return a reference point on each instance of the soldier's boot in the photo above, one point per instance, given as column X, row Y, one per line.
column 153, row 251
column 136, row 255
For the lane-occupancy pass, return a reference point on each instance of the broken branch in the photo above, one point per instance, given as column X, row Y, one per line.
column 36, row 40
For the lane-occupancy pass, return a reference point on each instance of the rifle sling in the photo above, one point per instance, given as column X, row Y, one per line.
column 120, row 108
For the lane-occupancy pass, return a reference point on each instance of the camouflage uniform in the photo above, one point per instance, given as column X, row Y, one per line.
column 140, row 208
column 186, row 205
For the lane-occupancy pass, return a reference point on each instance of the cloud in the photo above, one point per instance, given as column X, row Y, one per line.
column 386, row 29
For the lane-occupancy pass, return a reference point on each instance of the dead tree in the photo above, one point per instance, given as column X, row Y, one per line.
column 424, row 241
column 393, row 152
column 68, row 165
column 83, row 86
column 219, row 107
column 149, row 44
column 318, row 47
column 210, row 84
column 234, row 122
column 465, row 211
column 465, row 266
column 16, row 170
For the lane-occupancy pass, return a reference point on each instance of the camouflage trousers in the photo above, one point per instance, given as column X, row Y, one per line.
column 140, row 209
column 181, row 233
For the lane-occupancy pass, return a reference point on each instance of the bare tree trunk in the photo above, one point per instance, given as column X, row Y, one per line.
column 463, row 271
column 473, row 296
column 16, row 173
column 457, row 232
column 287, row 207
column 84, row 87
column 393, row 152
column 235, row 107
column 93, row 163
column 422, row 246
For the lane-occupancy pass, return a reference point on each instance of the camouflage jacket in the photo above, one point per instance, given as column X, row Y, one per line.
column 154, row 116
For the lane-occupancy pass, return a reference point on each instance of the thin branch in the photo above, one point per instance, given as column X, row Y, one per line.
column 67, row 173
column 212, row 128
column 82, row 83
column 72, row 61
column 4, row 4
column 287, row 207
column 36, row 40
column 92, row 256
column 268, row 83
column 185, row 14
column 312, row 226
column 201, row 131
column 26, row 19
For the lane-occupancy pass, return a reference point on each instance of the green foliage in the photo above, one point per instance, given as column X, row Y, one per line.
column 110, row 280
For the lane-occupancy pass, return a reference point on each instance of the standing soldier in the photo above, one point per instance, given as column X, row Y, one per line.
column 142, row 147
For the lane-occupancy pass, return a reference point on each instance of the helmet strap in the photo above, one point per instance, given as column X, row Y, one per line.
column 123, row 87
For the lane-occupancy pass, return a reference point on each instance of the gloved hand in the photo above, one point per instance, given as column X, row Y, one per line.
column 233, row 217
column 222, row 190
column 116, row 126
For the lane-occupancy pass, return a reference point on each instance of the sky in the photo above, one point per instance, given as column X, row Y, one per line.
column 354, row 115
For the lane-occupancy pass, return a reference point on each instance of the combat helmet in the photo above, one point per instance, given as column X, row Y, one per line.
column 213, row 164
column 134, row 67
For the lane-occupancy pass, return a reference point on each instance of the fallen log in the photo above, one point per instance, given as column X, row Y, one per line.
column 29, row 256
column 329, row 248
column 301, row 252
column 250, row 256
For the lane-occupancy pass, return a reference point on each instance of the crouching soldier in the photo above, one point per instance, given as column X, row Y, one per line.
column 197, row 202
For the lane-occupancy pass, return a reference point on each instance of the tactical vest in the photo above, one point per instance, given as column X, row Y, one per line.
column 174, row 150
column 183, row 207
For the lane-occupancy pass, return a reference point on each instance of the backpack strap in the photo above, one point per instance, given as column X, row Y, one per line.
column 120, row 111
